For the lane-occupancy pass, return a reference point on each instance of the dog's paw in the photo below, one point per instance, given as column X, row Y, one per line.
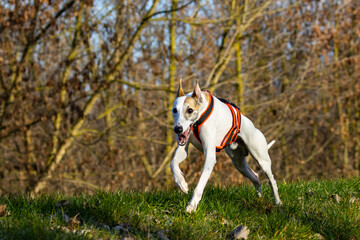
column 278, row 202
column 190, row 208
column 182, row 184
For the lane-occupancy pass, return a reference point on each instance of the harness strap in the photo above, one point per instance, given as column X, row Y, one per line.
column 196, row 126
column 232, row 134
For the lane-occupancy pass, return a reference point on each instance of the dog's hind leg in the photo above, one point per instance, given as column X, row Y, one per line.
column 258, row 148
column 238, row 158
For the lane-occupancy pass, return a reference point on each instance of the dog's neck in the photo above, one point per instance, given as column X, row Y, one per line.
column 206, row 98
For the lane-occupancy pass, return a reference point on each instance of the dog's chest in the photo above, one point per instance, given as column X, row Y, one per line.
column 220, row 127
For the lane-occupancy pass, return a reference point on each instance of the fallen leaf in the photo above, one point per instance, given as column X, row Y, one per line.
column 75, row 221
column 240, row 232
column 65, row 229
column 336, row 197
column 226, row 222
column 2, row 210
column 318, row 236
column 71, row 221
column 354, row 199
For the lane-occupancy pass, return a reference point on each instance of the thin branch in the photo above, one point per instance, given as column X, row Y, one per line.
column 169, row 10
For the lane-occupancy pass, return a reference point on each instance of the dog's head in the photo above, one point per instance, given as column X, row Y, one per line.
column 186, row 111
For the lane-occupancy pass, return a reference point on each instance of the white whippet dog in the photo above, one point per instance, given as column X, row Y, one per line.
column 222, row 127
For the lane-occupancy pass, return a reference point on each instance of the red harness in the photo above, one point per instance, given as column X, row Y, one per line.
column 232, row 134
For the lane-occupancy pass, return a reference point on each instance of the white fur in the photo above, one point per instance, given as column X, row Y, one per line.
column 211, row 135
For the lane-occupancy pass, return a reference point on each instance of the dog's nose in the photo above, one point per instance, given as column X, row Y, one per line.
column 178, row 129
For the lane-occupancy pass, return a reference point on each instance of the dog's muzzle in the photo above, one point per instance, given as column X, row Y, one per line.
column 183, row 136
column 178, row 129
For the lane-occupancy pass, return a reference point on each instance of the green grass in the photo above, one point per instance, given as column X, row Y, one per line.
column 308, row 212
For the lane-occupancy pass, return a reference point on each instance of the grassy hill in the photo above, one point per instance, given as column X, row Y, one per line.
column 326, row 209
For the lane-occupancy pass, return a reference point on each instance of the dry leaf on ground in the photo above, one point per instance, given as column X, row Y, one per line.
column 2, row 210
column 240, row 232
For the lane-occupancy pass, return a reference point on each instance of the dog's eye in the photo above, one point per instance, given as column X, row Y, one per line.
column 174, row 110
column 190, row 110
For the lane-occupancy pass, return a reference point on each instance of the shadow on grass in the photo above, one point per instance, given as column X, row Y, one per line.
column 29, row 230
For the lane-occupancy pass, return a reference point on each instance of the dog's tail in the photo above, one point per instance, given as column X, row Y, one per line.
column 271, row 143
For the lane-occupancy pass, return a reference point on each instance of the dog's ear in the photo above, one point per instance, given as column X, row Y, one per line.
column 197, row 92
column 180, row 92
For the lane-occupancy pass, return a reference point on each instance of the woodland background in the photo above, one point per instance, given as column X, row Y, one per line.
column 86, row 88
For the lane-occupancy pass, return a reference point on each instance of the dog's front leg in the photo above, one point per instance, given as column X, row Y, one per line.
column 210, row 160
column 180, row 155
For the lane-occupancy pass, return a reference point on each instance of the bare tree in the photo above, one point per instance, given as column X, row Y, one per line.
column 86, row 87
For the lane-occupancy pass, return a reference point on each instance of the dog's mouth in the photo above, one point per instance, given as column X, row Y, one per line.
column 184, row 137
